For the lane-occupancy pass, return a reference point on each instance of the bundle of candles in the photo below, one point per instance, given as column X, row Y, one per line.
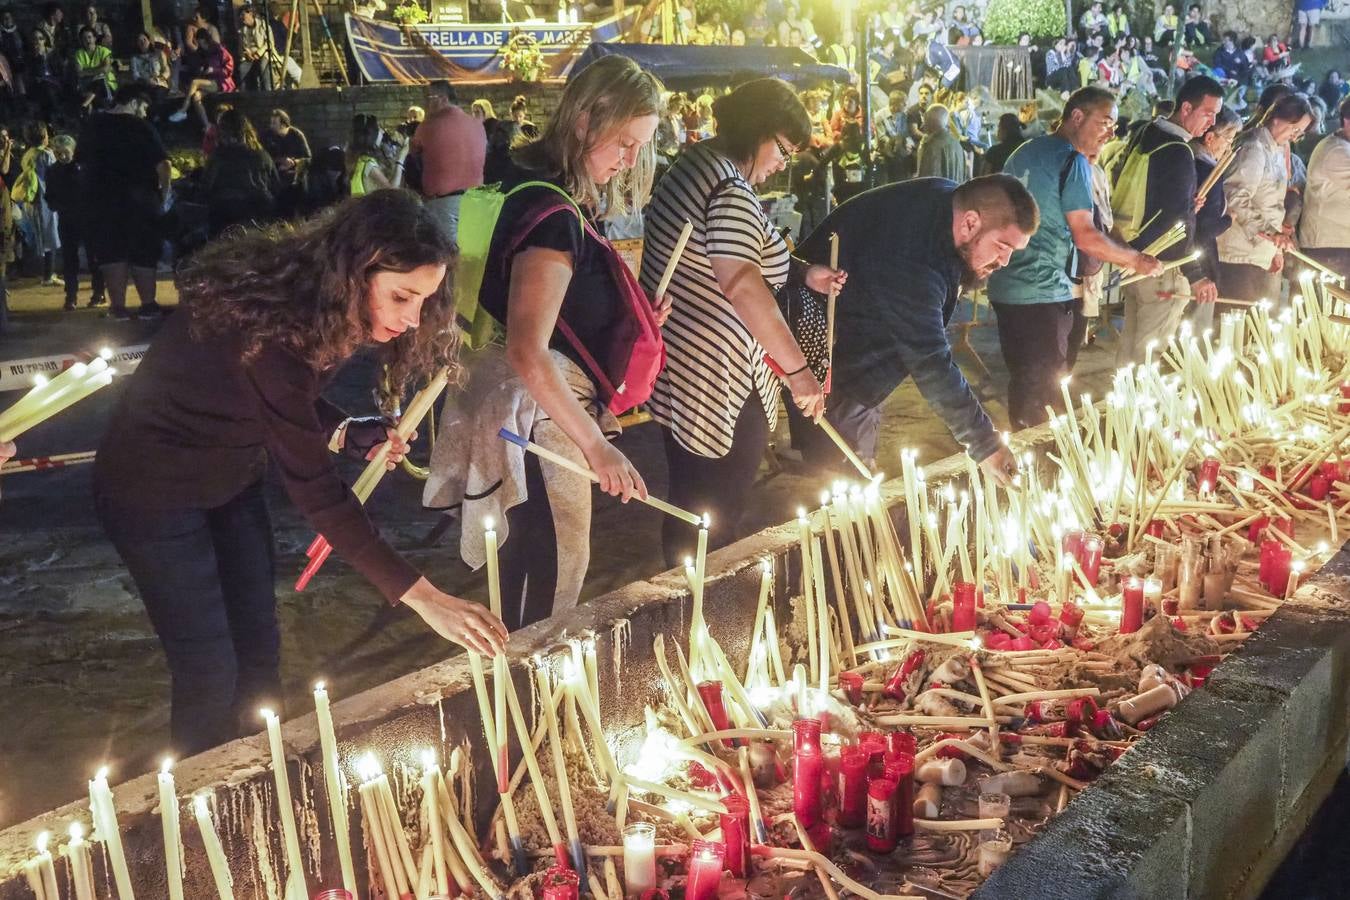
column 941, row 689
column 48, row 397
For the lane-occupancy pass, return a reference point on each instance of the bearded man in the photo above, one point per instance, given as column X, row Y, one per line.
column 909, row 249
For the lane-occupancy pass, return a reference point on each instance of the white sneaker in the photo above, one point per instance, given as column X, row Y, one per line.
column 53, row 281
column 178, row 116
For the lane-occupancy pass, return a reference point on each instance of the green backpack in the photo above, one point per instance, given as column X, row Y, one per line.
column 1129, row 190
column 478, row 214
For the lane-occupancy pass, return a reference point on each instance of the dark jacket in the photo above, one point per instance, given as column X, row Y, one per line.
column 1212, row 220
column 1171, row 192
column 904, row 278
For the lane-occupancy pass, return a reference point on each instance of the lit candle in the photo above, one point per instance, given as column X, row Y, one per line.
column 335, row 787
column 215, row 853
column 736, row 834
column 104, row 812
column 705, row 870
column 1090, row 558
column 98, row 375
column 40, row 872
column 77, row 854
column 295, row 876
column 392, row 877
column 808, row 764
column 431, row 814
column 173, row 838
column 808, row 598
column 1153, row 592
column 1132, row 605
column 1295, row 571
column 560, row 770
column 639, row 859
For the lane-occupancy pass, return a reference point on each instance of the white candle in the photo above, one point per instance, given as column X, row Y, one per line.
column 173, row 839
column 77, row 854
column 499, row 669
column 336, row 789
column 215, row 853
column 40, row 871
column 437, row 836
column 295, row 876
column 370, row 811
column 95, row 377
column 104, row 812
column 639, row 858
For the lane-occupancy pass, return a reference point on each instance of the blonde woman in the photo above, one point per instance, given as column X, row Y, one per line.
column 551, row 279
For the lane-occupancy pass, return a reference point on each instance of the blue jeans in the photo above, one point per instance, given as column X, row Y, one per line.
column 858, row 425
column 206, row 579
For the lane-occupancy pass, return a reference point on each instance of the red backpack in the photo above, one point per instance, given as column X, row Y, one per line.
column 636, row 353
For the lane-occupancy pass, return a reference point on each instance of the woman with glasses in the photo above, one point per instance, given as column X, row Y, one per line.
column 717, row 398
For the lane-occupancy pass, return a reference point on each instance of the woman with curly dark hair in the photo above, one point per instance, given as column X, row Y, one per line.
column 235, row 378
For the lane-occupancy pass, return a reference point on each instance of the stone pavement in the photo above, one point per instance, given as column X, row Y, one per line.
column 82, row 667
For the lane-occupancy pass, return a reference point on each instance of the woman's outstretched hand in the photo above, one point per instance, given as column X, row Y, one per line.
column 469, row 624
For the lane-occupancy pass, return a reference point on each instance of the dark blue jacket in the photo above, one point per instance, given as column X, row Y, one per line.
column 904, row 277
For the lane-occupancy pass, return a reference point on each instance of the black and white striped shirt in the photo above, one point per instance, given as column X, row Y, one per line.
column 713, row 362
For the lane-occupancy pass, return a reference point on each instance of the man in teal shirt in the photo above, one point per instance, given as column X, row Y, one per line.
column 1033, row 295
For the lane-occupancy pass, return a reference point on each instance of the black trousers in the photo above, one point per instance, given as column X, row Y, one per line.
column 529, row 558
column 1077, row 335
column 68, row 227
column 717, row 486
column 206, row 579
column 1034, row 338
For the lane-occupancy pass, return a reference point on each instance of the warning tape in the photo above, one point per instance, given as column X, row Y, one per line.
column 17, row 375
column 45, row 463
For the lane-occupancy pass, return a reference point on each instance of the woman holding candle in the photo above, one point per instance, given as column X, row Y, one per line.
column 717, row 399
column 566, row 301
column 236, row 378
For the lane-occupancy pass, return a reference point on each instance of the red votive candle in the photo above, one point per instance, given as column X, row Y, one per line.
column 895, row 687
column 1022, row 643
column 808, row 764
column 853, row 786
column 705, row 870
column 1072, row 543
column 1269, row 549
column 1254, row 530
column 1283, row 525
column 1132, row 605
column 1209, row 474
column 736, row 833
column 963, row 606
column 1318, row 487
column 875, row 745
column 898, row 742
column 1344, row 405
column 711, row 692
column 1155, row 528
column 1090, row 558
column 851, row 683
column 881, row 836
column 1039, row 616
column 901, row 771
column 561, row 883
column 1282, row 561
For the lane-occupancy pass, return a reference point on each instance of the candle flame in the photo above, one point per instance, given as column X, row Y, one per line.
column 101, row 774
column 368, row 767
column 707, row 521
column 801, row 514
column 105, row 352
column 39, row 380
column 166, row 766
column 488, row 523
column 267, row 714
column 76, row 833
column 320, row 687
column 42, row 840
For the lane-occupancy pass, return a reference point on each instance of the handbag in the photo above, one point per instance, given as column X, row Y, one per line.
column 807, row 316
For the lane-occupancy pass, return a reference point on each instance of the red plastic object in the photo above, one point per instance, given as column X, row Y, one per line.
column 711, row 694
column 1209, row 474
column 901, row 742
column 895, row 687
column 852, row 685
column 561, row 884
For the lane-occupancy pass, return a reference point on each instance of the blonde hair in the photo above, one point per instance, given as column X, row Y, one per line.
column 485, row 107
column 597, row 102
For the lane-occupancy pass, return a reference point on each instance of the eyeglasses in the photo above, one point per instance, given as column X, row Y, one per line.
column 783, row 151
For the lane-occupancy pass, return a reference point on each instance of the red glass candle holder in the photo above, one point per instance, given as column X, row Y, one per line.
column 853, row 778
column 901, row 771
column 706, row 859
column 1344, row 405
column 1269, row 550
column 561, row 883
column 1072, row 543
column 334, row 894
column 898, row 742
column 1132, row 605
column 1156, row 528
column 1090, row 558
column 808, row 765
column 1285, row 526
column 806, row 733
column 1318, row 487
column 881, row 837
column 1209, row 474
column 895, row 686
column 851, row 683
column 711, row 694
column 963, row 606
column 736, row 833
column 1280, row 566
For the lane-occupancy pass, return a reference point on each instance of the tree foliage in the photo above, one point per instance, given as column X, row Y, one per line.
column 1004, row 20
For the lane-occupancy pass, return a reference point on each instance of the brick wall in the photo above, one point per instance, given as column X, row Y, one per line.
column 325, row 114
